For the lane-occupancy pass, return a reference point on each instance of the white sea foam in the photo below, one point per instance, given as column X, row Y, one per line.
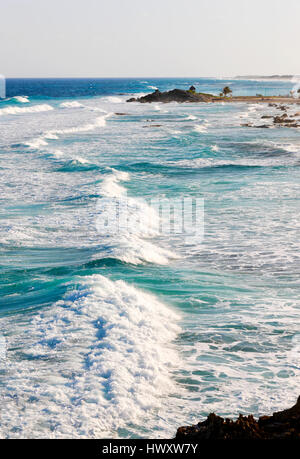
column 109, row 353
column 289, row 147
column 50, row 136
column 36, row 143
column 110, row 186
column 95, row 109
column 98, row 122
column 254, row 107
column 157, row 107
column 71, row 104
column 201, row 128
column 81, row 160
column 58, row 153
column 191, row 117
column 212, row 162
column 152, row 87
column 76, row 104
column 215, row 148
column 112, row 99
column 55, row 133
column 13, row 110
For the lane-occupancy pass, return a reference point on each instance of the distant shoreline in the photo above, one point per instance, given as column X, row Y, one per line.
column 266, row 77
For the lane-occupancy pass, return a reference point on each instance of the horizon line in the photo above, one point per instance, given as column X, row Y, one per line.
column 274, row 75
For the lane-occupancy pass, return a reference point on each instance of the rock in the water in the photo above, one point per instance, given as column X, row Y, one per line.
column 283, row 425
column 280, row 119
column 176, row 95
column 152, row 125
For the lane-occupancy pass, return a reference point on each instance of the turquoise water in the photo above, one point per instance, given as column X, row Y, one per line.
column 132, row 334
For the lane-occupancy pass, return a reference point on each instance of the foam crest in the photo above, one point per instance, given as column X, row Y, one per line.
column 131, row 222
column 112, row 100
column 191, row 118
column 201, row 128
column 13, row 110
column 109, row 353
column 134, row 250
column 71, row 104
column 21, row 99
column 245, row 162
column 36, row 143
column 110, row 186
column 55, row 133
column 99, row 122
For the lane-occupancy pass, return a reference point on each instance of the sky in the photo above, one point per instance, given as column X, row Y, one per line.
column 153, row 38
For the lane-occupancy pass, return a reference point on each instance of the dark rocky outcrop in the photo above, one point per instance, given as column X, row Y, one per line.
column 181, row 95
column 283, row 425
column 284, row 121
column 175, row 95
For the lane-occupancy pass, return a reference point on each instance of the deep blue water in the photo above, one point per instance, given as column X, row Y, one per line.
column 89, row 87
column 133, row 332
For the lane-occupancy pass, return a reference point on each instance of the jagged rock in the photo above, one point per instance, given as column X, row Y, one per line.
column 266, row 116
column 282, row 425
column 175, row 95
column 280, row 119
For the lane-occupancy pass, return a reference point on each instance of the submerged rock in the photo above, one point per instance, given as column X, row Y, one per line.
column 152, row 125
column 282, row 425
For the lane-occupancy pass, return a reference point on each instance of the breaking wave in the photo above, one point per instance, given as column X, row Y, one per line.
column 14, row 110
column 128, row 239
column 109, row 353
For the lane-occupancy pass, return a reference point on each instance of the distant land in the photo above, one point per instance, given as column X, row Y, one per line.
column 265, row 77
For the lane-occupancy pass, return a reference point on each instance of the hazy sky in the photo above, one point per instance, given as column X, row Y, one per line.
column 119, row 38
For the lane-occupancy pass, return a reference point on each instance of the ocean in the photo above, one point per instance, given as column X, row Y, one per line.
column 133, row 333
